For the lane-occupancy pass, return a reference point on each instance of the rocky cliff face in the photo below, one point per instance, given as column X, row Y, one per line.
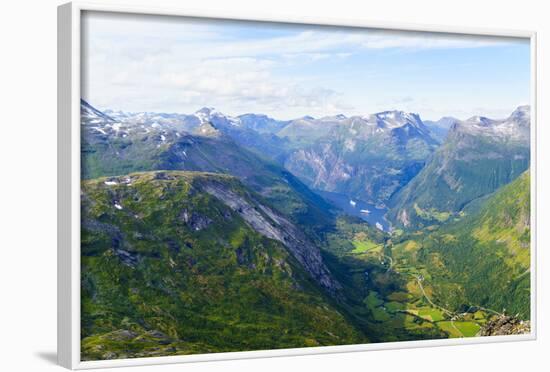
column 275, row 226
column 505, row 325
column 369, row 158
column 228, row 190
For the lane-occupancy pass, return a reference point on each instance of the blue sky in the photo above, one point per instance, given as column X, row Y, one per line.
column 171, row 64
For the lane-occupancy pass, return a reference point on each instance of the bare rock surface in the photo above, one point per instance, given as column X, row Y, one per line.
column 505, row 325
column 274, row 226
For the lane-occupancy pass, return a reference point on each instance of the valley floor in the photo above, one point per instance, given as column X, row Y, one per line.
column 400, row 299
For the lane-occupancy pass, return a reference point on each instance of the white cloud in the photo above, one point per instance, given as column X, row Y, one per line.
column 179, row 64
column 248, row 80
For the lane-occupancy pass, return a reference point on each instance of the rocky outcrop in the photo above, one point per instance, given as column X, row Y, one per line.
column 505, row 325
column 194, row 220
column 117, row 241
column 272, row 225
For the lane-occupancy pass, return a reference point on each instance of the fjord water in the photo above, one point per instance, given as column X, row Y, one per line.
column 356, row 207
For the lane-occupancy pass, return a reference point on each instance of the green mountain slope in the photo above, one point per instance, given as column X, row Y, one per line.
column 110, row 154
column 479, row 156
column 185, row 262
column 482, row 260
column 455, row 280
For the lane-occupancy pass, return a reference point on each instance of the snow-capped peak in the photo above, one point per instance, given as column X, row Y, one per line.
column 521, row 114
column 515, row 126
column 394, row 119
column 92, row 114
column 205, row 113
column 480, row 120
column 211, row 115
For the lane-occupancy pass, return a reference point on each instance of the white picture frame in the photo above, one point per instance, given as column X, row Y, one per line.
column 69, row 65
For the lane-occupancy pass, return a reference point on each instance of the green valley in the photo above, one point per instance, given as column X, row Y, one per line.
column 193, row 240
column 446, row 282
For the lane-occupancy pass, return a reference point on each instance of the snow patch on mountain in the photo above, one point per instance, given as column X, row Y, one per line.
column 516, row 126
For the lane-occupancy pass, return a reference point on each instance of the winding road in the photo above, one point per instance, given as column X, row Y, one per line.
column 419, row 279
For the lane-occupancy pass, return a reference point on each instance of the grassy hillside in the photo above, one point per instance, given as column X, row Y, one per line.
column 483, row 259
column 111, row 156
column 170, row 269
column 439, row 282
column 463, row 169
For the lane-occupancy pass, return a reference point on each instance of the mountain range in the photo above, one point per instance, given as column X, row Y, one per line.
column 422, row 172
column 207, row 232
column 478, row 156
column 369, row 158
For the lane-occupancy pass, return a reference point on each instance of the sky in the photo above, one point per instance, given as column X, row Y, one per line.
column 178, row 64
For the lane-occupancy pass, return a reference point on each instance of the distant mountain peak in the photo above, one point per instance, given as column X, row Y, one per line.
column 447, row 121
column 398, row 115
column 523, row 108
column 216, row 118
column 206, row 111
column 521, row 113
column 90, row 112
column 481, row 120
column 397, row 118
column 516, row 126
column 390, row 113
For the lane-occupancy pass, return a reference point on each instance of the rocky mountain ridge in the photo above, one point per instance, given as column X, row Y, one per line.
column 478, row 156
